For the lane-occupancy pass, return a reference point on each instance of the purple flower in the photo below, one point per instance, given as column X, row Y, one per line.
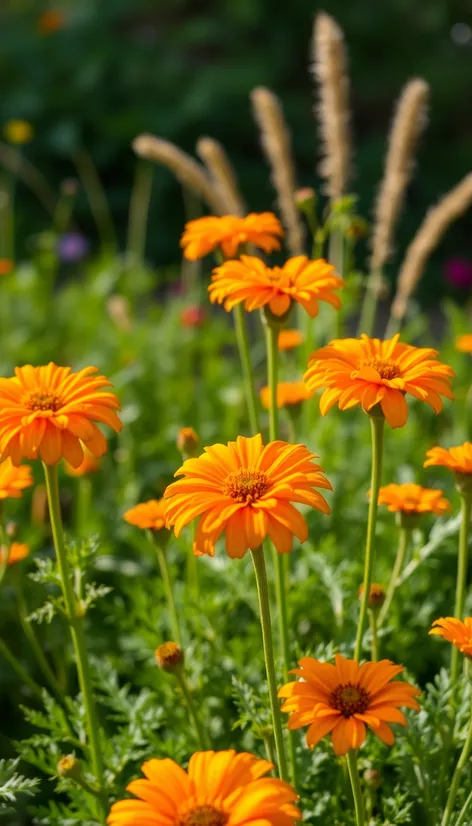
column 458, row 272
column 72, row 247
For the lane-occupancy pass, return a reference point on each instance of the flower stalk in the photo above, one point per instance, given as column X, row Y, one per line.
column 199, row 730
column 462, row 565
column 403, row 543
column 167, row 585
column 351, row 760
column 461, row 764
column 242, row 340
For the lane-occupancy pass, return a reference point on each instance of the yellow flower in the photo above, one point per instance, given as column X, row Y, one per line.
column 18, row 132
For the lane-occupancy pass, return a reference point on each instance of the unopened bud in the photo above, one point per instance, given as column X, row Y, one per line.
column 69, row 767
column 169, row 656
column 376, row 596
column 372, row 779
column 187, row 442
column 305, row 198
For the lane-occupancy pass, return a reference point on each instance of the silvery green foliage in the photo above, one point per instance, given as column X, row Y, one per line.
column 12, row 785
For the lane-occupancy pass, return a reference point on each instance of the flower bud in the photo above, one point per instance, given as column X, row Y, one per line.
column 69, row 767
column 193, row 316
column 305, row 198
column 376, row 596
column 12, row 529
column 169, row 656
column 187, row 442
column 373, row 779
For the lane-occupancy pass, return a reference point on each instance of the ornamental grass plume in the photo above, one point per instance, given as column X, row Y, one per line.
column 371, row 372
column 246, row 491
column 217, row 788
column 342, row 699
column 276, row 142
column 188, row 171
column 329, row 69
column 222, row 175
column 229, row 232
column 253, row 283
column 427, row 238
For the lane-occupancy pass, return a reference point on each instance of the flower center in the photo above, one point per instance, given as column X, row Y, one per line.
column 203, row 816
column 44, row 401
column 349, row 699
column 387, row 369
column 246, row 485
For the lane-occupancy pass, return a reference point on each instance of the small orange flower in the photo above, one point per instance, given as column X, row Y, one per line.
column 51, row 412
column 204, row 235
column 289, row 339
column 147, row 515
column 169, row 656
column 288, row 393
column 458, row 459
column 455, row 631
column 368, row 372
column 50, row 21
column 13, row 480
column 16, row 552
column 344, row 698
column 90, row 464
column 6, row 266
column 218, row 788
column 246, row 490
column 251, row 281
column 410, row 498
column 464, row 343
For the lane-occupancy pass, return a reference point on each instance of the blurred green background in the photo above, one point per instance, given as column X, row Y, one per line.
column 95, row 74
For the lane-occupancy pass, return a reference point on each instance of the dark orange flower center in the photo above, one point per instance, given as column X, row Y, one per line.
column 349, row 699
column 246, row 485
column 203, row 816
column 386, row 368
column 44, row 401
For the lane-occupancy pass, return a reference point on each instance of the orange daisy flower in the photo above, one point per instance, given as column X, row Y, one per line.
column 344, row 698
column 228, row 232
column 464, row 343
column 148, row 515
column 251, row 281
column 289, row 339
column 288, row 393
column 458, row 459
column 13, row 480
column 368, row 372
column 16, row 552
column 410, row 498
column 246, row 490
column 51, row 412
column 219, row 787
column 455, row 631
column 6, row 266
column 90, row 464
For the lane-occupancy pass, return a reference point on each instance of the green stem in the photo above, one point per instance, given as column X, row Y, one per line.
column 404, row 540
column 374, row 636
column 97, row 199
column 139, row 209
column 461, row 819
column 20, row 671
column 83, row 500
column 245, row 357
column 263, row 595
column 377, row 429
column 466, row 507
column 369, row 305
column 269, row 748
column 200, row 731
column 456, row 777
column 168, row 590
column 338, row 259
column 75, row 618
column 192, row 568
column 351, row 759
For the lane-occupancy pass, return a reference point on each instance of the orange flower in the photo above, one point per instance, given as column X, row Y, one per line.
column 6, row 266
column 258, row 285
column 455, row 631
column 193, row 316
column 344, row 698
column 464, row 343
column 204, row 235
column 410, row 498
column 218, row 788
column 187, row 441
column 288, row 393
column 90, row 464
column 457, row 459
column 246, row 490
column 289, row 339
column 368, row 372
column 149, row 514
column 50, row 21
column 15, row 553
column 13, row 480
column 51, row 412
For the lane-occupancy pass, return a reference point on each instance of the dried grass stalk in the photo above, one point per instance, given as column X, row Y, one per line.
column 190, row 173
column 13, row 160
column 409, row 120
column 222, row 174
column 277, row 146
column 329, row 68
column 435, row 224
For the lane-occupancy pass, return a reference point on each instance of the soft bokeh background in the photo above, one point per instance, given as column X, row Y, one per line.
column 94, row 75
